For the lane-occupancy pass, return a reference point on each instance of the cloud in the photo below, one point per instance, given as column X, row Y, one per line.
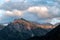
column 41, row 11
column 38, row 9
column 7, row 0
column 25, row 4
column 55, row 21
column 13, row 13
column 30, row 16
column 45, row 11
column 54, row 11
column 35, row 10
column 15, row 5
column 9, row 16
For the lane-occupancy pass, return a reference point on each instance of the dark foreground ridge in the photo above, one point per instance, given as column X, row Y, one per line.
column 52, row 35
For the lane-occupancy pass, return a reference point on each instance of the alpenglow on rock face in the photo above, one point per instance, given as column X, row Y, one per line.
column 52, row 35
column 21, row 29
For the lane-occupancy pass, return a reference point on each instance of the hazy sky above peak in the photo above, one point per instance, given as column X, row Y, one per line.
column 41, row 11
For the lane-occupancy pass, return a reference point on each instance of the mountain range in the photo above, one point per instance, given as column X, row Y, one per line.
column 21, row 29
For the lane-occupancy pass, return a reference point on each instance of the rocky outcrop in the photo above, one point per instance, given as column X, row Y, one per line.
column 52, row 35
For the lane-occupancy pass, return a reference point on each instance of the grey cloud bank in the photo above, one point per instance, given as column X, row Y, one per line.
column 32, row 10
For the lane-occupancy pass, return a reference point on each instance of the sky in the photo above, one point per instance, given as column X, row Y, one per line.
column 41, row 11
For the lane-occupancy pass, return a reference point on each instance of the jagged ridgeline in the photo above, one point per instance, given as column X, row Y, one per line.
column 21, row 29
column 52, row 35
